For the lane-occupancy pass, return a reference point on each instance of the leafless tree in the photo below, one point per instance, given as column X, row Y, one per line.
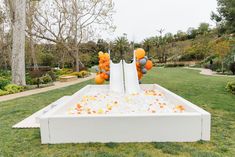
column 69, row 23
column 31, row 7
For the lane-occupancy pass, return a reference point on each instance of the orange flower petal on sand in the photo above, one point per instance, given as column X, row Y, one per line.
column 79, row 106
column 180, row 107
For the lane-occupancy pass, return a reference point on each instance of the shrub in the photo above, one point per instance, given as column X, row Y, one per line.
column 30, row 80
column 159, row 65
column 80, row 74
column 39, row 80
column 218, row 70
column 3, row 92
column 214, row 67
column 36, row 81
column 63, row 71
column 231, row 87
column 84, row 73
column 46, row 79
column 3, row 82
column 232, row 67
column 174, row 65
column 13, row 88
column 52, row 75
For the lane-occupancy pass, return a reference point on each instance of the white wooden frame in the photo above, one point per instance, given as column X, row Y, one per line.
column 190, row 126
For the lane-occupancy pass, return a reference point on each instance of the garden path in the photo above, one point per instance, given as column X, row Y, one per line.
column 208, row 72
column 41, row 90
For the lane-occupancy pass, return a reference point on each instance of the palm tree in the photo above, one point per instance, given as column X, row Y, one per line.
column 121, row 47
column 148, row 44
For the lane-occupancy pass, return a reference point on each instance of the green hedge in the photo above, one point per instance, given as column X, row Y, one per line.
column 170, row 65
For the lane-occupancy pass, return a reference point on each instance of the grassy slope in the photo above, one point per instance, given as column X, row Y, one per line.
column 207, row 92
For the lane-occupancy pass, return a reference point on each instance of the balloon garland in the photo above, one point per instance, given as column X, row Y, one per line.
column 143, row 64
column 104, row 68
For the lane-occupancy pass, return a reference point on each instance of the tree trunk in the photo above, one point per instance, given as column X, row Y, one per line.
column 18, row 48
column 33, row 55
column 63, row 60
column 30, row 28
column 77, row 62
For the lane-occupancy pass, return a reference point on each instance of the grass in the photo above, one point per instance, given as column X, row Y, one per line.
column 205, row 91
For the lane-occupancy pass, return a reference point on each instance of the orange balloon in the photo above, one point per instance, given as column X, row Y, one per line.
column 106, row 55
column 149, row 65
column 106, row 68
column 102, row 75
column 106, row 64
column 101, row 62
column 139, row 75
column 106, row 76
column 139, row 53
column 99, row 79
column 101, row 66
column 137, row 64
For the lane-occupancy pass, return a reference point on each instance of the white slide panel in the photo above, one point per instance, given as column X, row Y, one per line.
column 116, row 77
column 131, row 78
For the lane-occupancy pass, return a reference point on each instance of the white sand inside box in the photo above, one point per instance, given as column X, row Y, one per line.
column 107, row 102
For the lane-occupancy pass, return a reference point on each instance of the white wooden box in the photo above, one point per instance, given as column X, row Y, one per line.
column 57, row 127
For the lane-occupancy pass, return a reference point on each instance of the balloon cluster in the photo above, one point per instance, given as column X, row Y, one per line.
column 143, row 64
column 104, row 68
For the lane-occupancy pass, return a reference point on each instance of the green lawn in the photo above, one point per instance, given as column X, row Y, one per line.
column 205, row 91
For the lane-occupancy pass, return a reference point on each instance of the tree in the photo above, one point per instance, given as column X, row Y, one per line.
column 221, row 47
column 17, row 9
column 70, row 23
column 192, row 33
column 148, row 45
column 5, row 35
column 203, row 28
column 3, row 42
column 225, row 17
column 180, row 36
column 30, row 12
column 102, row 45
column 121, row 47
column 89, row 53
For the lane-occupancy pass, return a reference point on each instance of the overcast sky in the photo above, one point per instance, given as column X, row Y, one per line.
column 142, row 18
